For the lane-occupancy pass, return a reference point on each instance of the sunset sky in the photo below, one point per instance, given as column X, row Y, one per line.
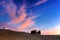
column 27, row 15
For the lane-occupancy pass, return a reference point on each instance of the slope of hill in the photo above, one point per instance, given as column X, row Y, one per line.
column 12, row 35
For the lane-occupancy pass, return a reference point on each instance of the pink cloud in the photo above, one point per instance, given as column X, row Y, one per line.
column 22, row 15
column 11, row 9
column 27, row 23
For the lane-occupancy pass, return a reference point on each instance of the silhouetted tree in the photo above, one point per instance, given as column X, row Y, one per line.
column 33, row 32
column 39, row 32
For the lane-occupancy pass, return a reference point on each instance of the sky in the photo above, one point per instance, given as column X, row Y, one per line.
column 27, row 15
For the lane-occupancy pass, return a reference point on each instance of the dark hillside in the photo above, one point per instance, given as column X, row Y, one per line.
column 12, row 35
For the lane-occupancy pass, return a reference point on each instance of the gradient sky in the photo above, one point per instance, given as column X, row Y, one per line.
column 26, row 15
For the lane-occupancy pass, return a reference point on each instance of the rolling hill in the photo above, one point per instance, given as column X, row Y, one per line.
column 13, row 35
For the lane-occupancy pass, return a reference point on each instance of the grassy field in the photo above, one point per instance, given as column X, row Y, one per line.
column 12, row 35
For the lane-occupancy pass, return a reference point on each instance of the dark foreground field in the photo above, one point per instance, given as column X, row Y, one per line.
column 11, row 35
column 51, row 37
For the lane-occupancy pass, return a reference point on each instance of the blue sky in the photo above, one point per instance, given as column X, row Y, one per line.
column 50, row 14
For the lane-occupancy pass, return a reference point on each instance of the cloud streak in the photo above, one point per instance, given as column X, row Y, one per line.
column 11, row 9
column 27, row 23
column 22, row 15
column 40, row 2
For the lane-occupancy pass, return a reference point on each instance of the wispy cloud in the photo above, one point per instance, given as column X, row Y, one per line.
column 40, row 2
column 22, row 15
column 27, row 23
column 11, row 9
